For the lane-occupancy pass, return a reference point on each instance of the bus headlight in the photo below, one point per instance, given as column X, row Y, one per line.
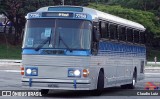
column 77, row 72
column 74, row 72
column 31, row 71
column 28, row 71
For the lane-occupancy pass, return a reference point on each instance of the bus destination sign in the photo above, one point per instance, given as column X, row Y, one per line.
column 80, row 15
column 57, row 14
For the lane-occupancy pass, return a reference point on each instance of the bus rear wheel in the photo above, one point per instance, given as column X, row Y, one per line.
column 134, row 80
column 100, row 84
column 131, row 85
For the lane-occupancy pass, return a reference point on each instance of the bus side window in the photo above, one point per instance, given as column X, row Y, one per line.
column 102, row 29
column 107, row 31
column 96, row 31
column 142, row 37
column 136, row 36
column 121, row 33
column 129, row 35
column 112, row 29
column 124, row 37
column 116, row 32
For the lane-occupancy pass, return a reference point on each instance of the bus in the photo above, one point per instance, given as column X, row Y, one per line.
column 80, row 48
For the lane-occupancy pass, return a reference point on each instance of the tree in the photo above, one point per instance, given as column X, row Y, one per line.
column 11, row 10
column 145, row 5
column 147, row 19
column 15, row 10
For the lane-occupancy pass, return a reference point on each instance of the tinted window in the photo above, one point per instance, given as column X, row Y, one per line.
column 107, row 31
column 102, row 29
column 142, row 37
column 129, row 35
column 136, row 36
column 113, row 31
column 122, row 33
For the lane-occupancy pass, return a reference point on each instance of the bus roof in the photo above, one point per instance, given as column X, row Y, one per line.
column 96, row 15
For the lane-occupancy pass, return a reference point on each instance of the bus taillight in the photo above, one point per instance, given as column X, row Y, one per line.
column 22, row 70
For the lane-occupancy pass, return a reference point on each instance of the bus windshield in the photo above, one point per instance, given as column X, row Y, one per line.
column 58, row 34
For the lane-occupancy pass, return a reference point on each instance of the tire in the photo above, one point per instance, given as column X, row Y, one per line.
column 44, row 92
column 131, row 85
column 134, row 80
column 100, row 85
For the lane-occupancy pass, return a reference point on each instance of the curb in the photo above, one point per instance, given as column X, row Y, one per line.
column 10, row 61
column 153, row 63
column 153, row 68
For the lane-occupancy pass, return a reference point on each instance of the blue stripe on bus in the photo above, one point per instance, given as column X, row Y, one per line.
column 73, row 53
column 118, row 49
column 121, row 47
column 105, row 49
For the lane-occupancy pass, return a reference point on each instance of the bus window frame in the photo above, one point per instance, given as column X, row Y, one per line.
column 124, row 36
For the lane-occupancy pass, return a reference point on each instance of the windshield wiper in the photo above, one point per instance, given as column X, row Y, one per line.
column 60, row 39
column 42, row 44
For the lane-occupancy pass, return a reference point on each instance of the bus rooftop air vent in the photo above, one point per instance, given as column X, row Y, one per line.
column 74, row 9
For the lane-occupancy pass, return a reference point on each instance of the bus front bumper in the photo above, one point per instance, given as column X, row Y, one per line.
column 58, row 84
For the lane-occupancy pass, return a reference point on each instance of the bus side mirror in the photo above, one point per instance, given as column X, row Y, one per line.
column 96, row 34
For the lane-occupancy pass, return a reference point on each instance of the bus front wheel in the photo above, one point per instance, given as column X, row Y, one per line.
column 100, row 84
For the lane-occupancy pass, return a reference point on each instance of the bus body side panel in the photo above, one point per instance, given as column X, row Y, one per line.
column 119, row 61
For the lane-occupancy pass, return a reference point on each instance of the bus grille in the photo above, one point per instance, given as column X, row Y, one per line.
column 52, row 52
column 55, row 60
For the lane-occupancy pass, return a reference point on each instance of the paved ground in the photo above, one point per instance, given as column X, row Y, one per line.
column 10, row 79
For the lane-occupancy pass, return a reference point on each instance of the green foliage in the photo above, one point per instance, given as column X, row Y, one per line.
column 10, row 52
column 145, row 18
column 146, row 5
column 152, row 53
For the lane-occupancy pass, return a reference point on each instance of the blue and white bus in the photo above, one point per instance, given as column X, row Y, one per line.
column 79, row 48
